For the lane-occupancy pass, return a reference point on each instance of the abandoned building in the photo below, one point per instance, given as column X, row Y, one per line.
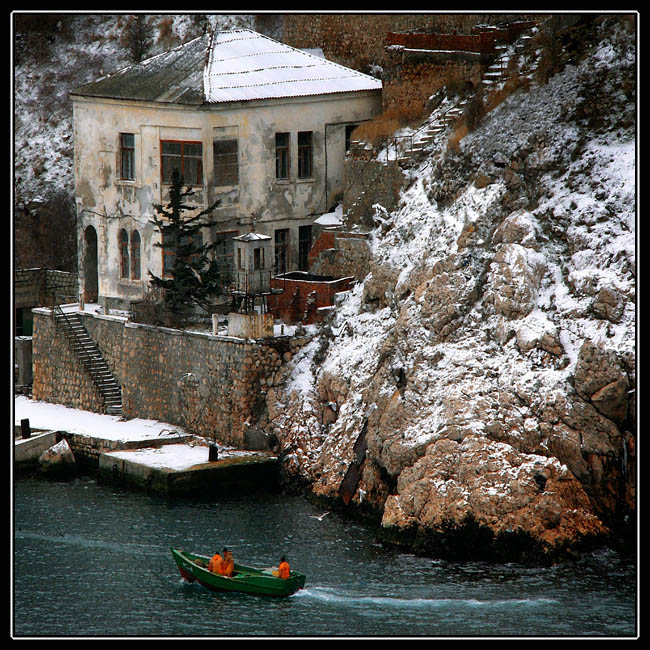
column 255, row 124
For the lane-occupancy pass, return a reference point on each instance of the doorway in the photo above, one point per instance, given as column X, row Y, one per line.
column 90, row 272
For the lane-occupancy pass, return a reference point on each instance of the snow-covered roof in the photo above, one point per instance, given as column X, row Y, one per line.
column 244, row 65
column 252, row 236
column 229, row 66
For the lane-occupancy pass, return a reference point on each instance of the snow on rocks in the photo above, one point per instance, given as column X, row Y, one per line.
column 462, row 356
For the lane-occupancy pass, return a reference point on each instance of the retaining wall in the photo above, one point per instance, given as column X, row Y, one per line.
column 213, row 386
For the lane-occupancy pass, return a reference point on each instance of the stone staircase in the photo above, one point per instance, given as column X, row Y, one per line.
column 495, row 75
column 88, row 352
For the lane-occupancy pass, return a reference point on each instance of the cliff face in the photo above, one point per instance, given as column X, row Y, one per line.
column 488, row 358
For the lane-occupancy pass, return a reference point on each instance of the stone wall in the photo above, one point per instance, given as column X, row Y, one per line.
column 58, row 374
column 213, row 386
column 350, row 256
column 412, row 77
column 369, row 182
column 358, row 40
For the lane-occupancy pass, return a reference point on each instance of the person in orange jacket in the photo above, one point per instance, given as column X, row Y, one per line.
column 283, row 569
column 228, row 563
column 216, row 563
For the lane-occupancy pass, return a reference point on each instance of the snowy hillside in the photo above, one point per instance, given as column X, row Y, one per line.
column 491, row 350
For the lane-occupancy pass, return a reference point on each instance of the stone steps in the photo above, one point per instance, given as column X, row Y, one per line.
column 88, row 352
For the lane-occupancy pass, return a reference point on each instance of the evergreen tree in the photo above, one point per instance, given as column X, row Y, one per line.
column 194, row 278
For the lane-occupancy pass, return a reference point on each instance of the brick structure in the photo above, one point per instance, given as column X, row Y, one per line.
column 214, row 386
column 305, row 295
column 418, row 53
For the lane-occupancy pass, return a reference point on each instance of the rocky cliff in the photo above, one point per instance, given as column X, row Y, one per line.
column 478, row 386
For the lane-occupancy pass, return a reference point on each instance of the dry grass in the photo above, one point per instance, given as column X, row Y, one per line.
column 381, row 128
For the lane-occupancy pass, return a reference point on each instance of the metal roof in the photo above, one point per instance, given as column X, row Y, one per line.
column 229, row 66
column 244, row 65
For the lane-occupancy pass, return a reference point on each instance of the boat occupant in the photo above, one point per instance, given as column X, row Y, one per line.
column 216, row 562
column 228, row 563
column 283, row 569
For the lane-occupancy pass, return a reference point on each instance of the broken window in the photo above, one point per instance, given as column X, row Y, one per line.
column 305, row 149
column 124, row 253
column 186, row 157
column 282, row 156
column 127, row 155
column 226, row 162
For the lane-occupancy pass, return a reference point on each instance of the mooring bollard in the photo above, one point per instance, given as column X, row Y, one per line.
column 213, row 453
column 24, row 427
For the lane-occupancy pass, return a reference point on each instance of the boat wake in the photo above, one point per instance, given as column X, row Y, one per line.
column 328, row 595
column 83, row 542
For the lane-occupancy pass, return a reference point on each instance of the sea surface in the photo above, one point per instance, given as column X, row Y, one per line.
column 92, row 559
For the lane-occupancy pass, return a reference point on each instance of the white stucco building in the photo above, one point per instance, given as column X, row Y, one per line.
column 248, row 120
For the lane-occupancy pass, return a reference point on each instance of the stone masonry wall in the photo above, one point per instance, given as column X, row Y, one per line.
column 58, row 374
column 208, row 385
column 358, row 40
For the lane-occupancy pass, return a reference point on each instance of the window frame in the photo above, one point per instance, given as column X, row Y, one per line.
column 283, row 157
column 228, row 161
column 169, row 253
column 281, row 239
column 127, row 150
column 136, row 255
column 123, row 244
column 182, row 156
column 305, row 155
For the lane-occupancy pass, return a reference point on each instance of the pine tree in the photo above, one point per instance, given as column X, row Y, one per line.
column 195, row 279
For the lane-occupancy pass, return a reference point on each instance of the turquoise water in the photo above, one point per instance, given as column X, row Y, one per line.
column 92, row 559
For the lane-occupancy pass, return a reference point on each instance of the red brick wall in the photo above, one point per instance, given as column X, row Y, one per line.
column 292, row 304
column 482, row 42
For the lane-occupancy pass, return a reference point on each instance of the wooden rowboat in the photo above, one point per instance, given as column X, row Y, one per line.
column 244, row 579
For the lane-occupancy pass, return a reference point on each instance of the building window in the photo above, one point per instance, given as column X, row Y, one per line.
column 224, row 250
column 169, row 251
column 305, row 149
column 135, row 255
column 169, row 256
column 226, row 162
column 282, row 156
column 186, row 157
column 124, row 254
column 281, row 250
column 304, row 246
column 127, row 155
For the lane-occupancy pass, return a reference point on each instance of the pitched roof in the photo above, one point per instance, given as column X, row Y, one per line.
column 238, row 65
column 244, row 65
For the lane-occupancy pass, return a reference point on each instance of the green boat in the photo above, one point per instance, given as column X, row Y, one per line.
column 244, row 579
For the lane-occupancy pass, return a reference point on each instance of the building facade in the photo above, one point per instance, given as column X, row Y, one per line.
column 256, row 125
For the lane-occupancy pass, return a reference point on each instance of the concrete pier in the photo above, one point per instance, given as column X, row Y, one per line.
column 242, row 472
column 145, row 453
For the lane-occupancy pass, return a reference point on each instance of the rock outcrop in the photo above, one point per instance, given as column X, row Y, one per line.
column 488, row 359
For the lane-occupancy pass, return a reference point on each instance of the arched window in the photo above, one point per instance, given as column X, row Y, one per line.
column 135, row 255
column 124, row 254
